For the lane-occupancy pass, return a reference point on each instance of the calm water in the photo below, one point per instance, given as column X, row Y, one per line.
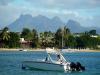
column 10, row 63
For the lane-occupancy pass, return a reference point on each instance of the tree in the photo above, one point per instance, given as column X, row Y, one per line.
column 85, row 37
column 14, row 40
column 58, row 38
column 47, row 39
column 80, row 43
column 86, row 41
column 62, row 33
column 92, row 32
column 5, row 36
column 35, row 42
column 41, row 37
column 71, row 42
column 26, row 33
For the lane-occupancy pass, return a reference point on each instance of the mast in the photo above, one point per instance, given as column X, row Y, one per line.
column 62, row 37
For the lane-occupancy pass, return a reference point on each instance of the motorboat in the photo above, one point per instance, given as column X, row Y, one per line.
column 53, row 64
column 23, row 50
column 48, row 63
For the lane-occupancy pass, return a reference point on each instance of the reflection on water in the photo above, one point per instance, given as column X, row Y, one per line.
column 10, row 63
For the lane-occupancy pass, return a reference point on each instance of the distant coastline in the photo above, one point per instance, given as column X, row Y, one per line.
column 38, row 49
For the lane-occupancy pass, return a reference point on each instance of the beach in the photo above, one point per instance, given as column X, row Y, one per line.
column 39, row 49
column 18, row 49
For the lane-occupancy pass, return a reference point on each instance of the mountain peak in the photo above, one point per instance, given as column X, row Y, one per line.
column 41, row 16
column 56, row 18
column 73, row 23
column 75, row 26
column 25, row 16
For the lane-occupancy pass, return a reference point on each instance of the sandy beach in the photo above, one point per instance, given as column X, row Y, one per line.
column 38, row 49
column 80, row 50
column 18, row 49
column 89, row 50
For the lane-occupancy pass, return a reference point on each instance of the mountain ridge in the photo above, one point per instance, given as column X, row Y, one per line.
column 42, row 23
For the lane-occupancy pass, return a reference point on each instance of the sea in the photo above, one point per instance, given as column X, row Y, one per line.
column 11, row 62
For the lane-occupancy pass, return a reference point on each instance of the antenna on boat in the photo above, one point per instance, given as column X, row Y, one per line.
column 62, row 31
column 62, row 36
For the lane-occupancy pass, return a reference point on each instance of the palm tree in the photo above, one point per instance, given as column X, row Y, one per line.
column 5, row 35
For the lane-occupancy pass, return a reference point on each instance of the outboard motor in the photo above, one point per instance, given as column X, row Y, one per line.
column 76, row 67
column 79, row 67
column 73, row 66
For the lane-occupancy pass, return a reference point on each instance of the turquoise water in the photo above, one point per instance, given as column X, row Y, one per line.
column 10, row 63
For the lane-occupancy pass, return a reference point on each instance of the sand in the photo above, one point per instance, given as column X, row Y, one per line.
column 38, row 49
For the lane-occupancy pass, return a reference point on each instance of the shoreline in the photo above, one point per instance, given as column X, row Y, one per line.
column 81, row 50
column 39, row 49
column 18, row 49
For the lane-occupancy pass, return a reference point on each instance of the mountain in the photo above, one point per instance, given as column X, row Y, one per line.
column 42, row 23
column 75, row 26
column 20, row 23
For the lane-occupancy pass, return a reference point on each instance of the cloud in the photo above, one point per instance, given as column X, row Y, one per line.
column 69, row 4
column 81, row 10
column 5, row 2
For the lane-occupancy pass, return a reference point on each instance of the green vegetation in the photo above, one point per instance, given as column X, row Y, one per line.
column 46, row 39
column 14, row 40
column 34, row 39
column 4, row 37
column 26, row 34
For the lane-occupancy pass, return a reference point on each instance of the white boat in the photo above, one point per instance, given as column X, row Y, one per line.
column 50, row 64
column 23, row 50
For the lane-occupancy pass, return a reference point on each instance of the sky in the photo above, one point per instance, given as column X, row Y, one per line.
column 86, row 12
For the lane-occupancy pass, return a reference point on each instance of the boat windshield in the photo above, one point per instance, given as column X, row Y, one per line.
column 55, row 55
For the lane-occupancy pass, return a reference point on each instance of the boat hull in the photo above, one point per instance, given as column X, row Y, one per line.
column 43, row 65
